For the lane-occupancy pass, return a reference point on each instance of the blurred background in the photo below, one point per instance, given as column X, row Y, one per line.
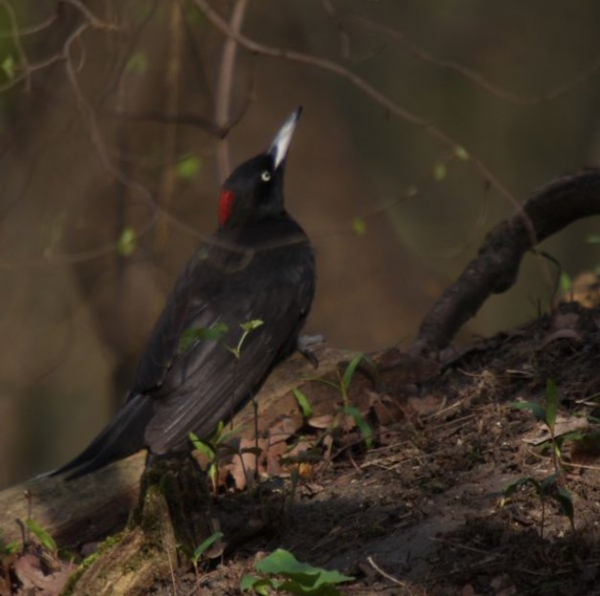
column 120, row 119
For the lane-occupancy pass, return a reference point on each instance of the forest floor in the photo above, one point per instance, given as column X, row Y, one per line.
column 423, row 512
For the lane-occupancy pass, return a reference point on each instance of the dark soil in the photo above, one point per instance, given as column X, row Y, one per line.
column 423, row 511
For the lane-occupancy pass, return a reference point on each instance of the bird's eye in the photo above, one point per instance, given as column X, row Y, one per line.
column 265, row 176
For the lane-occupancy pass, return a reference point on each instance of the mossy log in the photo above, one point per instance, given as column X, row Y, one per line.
column 90, row 507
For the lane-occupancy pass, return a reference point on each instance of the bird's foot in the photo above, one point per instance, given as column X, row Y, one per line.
column 303, row 347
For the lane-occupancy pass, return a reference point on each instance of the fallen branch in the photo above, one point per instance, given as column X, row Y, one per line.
column 495, row 268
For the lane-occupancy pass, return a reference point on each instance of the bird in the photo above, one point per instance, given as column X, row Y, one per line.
column 234, row 313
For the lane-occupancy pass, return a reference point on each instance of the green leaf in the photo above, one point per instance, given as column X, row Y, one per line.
column 189, row 166
column 350, row 370
column 127, row 241
column 537, row 410
column 359, row 226
column 439, row 171
column 45, row 539
column 259, row 585
column 202, row 447
column 362, row 425
column 212, row 473
column 461, row 152
column 206, row 545
column 8, row 66
column 251, row 325
column 551, row 404
column 190, row 336
column 548, row 484
column 565, row 501
column 515, row 486
column 216, row 436
column 137, row 63
column 593, row 239
column 8, row 548
column 282, row 562
column 565, row 282
column 305, row 407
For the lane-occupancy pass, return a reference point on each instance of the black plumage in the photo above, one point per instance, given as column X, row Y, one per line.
column 258, row 266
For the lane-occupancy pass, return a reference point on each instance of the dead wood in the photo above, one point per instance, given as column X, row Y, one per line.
column 94, row 505
column 496, row 266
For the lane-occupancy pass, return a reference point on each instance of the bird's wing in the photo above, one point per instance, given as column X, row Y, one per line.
column 195, row 387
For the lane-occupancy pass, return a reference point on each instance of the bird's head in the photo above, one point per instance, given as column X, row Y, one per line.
column 254, row 191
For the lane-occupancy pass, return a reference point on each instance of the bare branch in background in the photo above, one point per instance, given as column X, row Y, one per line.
column 27, row 69
column 225, row 87
column 89, row 16
column 329, row 8
column 32, row 29
column 472, row 74
column 178, row 119
column 168, row 183
column 383, row 100
column 17, row 41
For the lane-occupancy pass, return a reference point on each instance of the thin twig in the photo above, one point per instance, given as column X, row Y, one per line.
column 90, row 17
column 390, row 105
column 388, row 576
column 472, row 74
column 14, row 27
column 169, row 177
column 24, row 31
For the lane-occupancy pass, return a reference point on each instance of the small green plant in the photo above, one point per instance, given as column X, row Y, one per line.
column 216, row 332
column 213, row 333
column 199, row 552
column 343, row 386
column 7, row 548
column 42, row 535
column 247, row 328
column 297, row 577
column 551, row 486
column 204, row 546
column 303, row 403
column 211, row 448
column 547, row 415
column 548, row 488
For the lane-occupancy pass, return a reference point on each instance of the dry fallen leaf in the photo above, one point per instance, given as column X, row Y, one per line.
column 30, row 572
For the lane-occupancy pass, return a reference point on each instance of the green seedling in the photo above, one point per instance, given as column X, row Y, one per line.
column 42, row 535
column 303, row 404
column 549, row 487
column 212, row 448
column 200, row 551
column 343, row 386
column 296, row 577
column 213, row 333
column 7, row 548
column 547, row 415
column 216, row 332
column 247, row 328
column 204, row 547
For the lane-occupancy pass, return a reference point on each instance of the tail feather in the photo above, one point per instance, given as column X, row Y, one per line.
column 123, row 436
